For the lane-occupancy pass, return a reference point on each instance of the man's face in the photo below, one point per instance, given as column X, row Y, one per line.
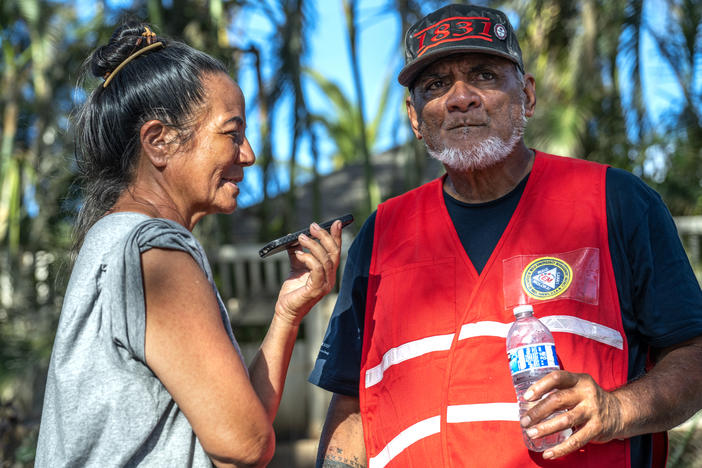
column 471, row 109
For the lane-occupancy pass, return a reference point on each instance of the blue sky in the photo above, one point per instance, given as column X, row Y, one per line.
column 379, row 55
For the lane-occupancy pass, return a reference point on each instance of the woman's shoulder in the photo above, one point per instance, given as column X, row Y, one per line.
column 114, row 234
column 106, row 233
column 113, row 226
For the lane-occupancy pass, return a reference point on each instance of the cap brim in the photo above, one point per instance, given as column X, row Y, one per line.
column 410, row 71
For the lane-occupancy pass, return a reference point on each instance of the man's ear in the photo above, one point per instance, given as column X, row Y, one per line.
column 413, row 116
column 157, row 142
column 530, row 92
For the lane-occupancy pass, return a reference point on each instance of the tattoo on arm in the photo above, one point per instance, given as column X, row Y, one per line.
column 335, row 458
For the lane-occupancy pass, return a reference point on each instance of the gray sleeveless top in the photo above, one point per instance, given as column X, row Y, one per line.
column 103, row 406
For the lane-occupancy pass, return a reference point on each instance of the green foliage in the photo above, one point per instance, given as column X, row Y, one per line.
column 580, row 54
column 342, row 124
column 686, row 444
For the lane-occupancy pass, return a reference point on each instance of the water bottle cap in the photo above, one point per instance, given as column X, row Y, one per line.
column 523, row 308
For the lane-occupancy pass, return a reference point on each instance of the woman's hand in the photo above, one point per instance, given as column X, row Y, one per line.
column 312, row 273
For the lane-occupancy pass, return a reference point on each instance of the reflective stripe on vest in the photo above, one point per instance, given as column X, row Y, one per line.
column 431, row 426
column 555, row 323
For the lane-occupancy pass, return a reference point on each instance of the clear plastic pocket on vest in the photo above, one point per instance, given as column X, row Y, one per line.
column 529, row 279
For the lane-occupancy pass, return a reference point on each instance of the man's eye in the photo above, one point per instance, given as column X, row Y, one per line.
column 434, row 85
column 486, row 76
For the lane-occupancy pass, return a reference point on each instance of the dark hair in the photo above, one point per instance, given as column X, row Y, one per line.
column 163, row 84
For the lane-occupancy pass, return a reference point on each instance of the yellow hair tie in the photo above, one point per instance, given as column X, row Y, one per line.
column 112, row 74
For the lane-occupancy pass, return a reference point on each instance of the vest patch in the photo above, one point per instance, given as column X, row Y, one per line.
column 546, row 278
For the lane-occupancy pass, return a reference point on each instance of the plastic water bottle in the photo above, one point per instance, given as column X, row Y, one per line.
column 532, row 354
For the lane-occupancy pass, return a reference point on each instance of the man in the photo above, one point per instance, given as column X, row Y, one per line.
column 415, row 350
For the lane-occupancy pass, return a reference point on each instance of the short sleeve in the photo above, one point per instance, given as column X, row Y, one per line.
column 659, row 294
column 124, row 288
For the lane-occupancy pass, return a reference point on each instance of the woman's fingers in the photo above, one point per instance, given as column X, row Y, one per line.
column 313, row 263
column 324, row 249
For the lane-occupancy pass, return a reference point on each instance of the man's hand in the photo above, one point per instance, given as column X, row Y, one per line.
column 593, row 413
column 658, row 401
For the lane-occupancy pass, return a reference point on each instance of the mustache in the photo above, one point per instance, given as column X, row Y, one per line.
column 465, row 123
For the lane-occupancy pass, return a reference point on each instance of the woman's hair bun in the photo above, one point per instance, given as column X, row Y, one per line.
column 125, row 40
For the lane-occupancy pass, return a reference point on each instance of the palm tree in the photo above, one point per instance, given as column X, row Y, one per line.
column 291, row 52
column 681, row 47
column 372, row 190
column 290, row 20
column 343, row 125
column 581, row 54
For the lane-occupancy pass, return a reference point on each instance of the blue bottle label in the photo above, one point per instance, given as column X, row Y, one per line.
column 530, row 357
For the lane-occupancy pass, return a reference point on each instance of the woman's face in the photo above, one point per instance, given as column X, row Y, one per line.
column 207, row 169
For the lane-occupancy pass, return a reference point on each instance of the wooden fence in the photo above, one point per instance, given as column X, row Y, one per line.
column 690, row 230
column 249, row 287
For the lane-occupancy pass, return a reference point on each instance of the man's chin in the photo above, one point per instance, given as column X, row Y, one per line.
column 480, row 156
column 464, row 137
column 472, row 147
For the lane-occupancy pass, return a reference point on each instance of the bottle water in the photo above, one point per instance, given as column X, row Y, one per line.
column 532, row 354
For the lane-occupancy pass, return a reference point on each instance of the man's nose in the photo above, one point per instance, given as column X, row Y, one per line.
column 462, row 96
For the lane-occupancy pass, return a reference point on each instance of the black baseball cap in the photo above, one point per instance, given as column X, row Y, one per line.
column 457, row 29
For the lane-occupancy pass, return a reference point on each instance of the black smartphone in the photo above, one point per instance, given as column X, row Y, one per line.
column 286, row 241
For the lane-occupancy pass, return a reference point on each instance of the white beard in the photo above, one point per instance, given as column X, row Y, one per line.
column 485, row 154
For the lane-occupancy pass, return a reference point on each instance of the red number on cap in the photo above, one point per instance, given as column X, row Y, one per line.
column 465, row 26
column 486, row 28
column 441, row 32
column 421, row 42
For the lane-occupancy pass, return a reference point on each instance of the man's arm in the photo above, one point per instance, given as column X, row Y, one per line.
column 663, row 398
column 341, row 444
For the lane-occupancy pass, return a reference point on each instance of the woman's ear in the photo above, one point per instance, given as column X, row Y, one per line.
column 157, row 142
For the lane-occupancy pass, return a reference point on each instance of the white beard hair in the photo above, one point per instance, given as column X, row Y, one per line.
column 487, row 153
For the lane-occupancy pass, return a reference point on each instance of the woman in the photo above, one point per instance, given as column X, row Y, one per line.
column 145, row 369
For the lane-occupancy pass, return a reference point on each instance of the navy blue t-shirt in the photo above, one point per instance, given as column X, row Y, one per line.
column 660, row 298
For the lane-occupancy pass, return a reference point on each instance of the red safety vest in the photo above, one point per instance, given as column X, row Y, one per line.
column 435, row 387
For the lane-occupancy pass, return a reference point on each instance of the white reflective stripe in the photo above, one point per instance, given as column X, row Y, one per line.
column 404, row 439
column 407, row 351
column 555, row 323
column 487, row 328
column 483, row 412
column 578, row 326
column 431, row 426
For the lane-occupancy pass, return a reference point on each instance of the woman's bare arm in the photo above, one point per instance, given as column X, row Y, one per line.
column 188, row 349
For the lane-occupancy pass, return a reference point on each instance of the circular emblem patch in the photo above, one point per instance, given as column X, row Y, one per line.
column 546, row 278
column 500, row 31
